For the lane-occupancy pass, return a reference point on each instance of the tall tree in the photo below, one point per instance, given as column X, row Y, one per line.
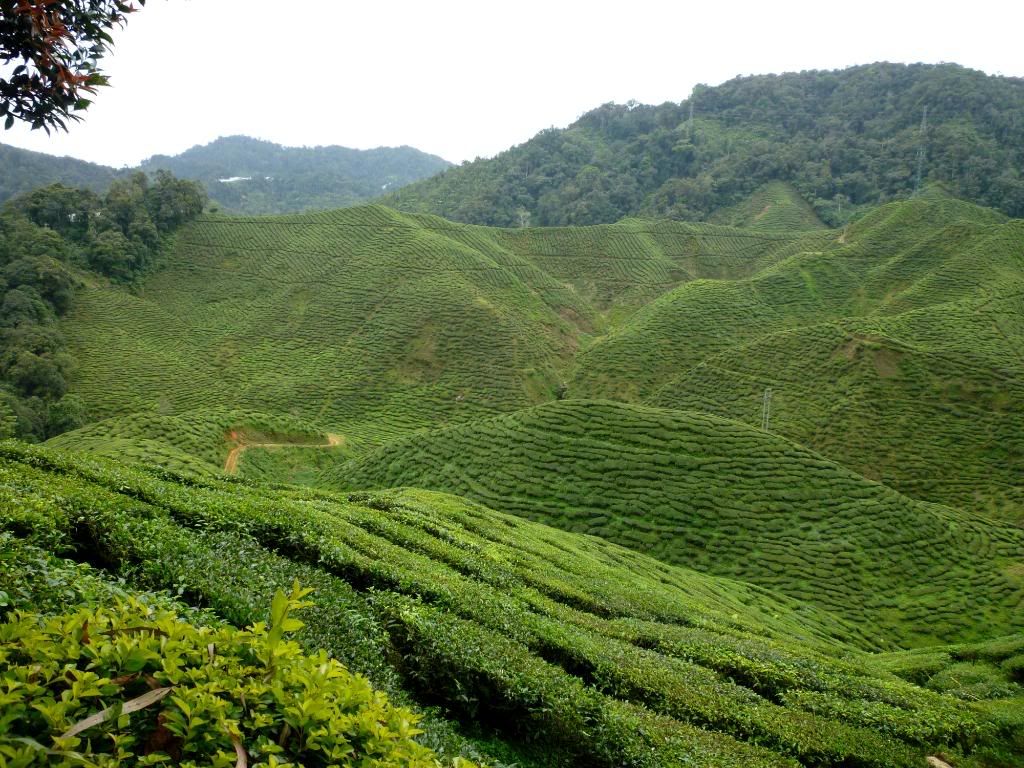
column 56, row 46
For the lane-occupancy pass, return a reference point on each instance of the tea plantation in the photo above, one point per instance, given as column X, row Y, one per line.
column 895, row 350
column 559, row 648
column 744, row 492
column 729, row 499
column 375, row 323
column 892, row 346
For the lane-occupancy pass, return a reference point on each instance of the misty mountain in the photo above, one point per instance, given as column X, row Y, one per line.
column 253, row 176
column 846, row 139
column 242, row 174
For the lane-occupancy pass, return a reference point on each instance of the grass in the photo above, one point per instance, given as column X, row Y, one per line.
column 546, row 640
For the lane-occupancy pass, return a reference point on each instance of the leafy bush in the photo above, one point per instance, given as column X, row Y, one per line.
column 104, row 686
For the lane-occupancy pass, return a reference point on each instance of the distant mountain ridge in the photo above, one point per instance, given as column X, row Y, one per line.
column 22, row 170
column 255, row 176
column 846, row 140
column 242, row 174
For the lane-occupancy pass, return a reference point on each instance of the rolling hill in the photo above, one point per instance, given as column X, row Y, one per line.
column 721, row 465
column 372, row 323
column 251, row 176
column 722, row 497
column 24, row 171
column 553, row 648
column 729, row 489
column 893, row 349
column 891, row 346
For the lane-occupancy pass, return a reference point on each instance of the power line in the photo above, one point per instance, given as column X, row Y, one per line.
column 921, row 150
column 766, row 409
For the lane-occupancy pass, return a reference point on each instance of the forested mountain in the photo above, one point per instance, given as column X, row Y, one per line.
column 23, row 171
column 242, row 174
column 845, row 139
column 253, row 176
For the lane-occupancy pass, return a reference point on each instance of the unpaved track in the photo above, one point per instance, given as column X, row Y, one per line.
column 231, row 463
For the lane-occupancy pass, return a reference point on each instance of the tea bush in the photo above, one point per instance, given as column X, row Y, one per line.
column 103, row 686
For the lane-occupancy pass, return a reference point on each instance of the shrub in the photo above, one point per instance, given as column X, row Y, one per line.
column 133, row 684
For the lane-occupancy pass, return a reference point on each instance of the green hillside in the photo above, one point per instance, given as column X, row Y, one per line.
column 362, row 320
column 24, row 171
column 732, row 476
column 847, row 140
column 722, row 497
column 709, row 591
column 893, row 348
column 550, row 648
column 191, row 442
column 372, row 323
column 775, row 207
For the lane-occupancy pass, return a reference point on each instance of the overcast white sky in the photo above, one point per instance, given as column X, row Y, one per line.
column 468, row 79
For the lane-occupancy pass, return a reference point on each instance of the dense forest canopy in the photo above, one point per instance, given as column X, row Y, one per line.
column 49, row 240
column 24, row 171
column 846, row 139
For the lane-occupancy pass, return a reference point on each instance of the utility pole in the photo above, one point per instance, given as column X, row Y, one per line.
column 921, row 150
column 766, row 409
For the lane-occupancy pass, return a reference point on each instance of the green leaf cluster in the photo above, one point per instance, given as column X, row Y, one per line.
column 54, row 49
column 127, row 682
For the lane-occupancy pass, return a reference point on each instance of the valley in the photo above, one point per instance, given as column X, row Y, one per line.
column 725, row 478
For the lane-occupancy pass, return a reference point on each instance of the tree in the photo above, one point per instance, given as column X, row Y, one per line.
column 8, row 420
column 171, row 202
column 56, row 46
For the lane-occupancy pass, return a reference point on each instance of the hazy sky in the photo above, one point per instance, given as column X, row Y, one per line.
column 468, row 79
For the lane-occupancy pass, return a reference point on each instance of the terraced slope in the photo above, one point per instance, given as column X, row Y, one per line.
column 191, row 442
column 725, row 498
column 892, row 346
column 775, row 207
column 619, row 268
column 357, row 317
column 898, row 400
column 894, row 349
column 374, row 323
column 567, row 649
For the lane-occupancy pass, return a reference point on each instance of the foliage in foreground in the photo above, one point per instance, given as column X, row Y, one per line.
column 564, row 644
column 107, row 685
column 55, row 48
